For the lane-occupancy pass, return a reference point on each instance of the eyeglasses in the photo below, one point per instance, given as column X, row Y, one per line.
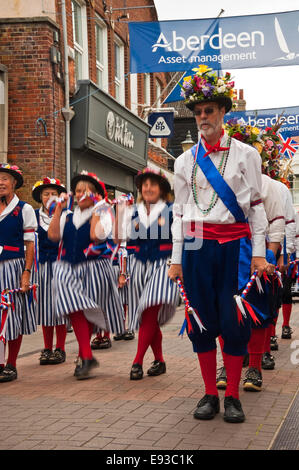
column 207, row 111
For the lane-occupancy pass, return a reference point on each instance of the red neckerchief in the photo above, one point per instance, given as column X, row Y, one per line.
column 216, row 147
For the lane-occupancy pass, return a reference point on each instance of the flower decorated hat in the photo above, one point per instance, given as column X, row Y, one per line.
column 47, row 182
column 92, row 178
column 205, row 86
column 157, row 174
column 268, row 144
column 13, row 170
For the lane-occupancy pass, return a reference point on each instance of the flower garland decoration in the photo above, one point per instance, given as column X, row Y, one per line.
column 204, row 85
column 267, row 142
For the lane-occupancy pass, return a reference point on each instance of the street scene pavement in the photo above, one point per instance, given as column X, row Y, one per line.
column 46, row 408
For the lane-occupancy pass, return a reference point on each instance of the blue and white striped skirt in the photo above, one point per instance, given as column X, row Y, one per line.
column 46, row 313
column 150, row 285
column 22, row 320
column 89, row 287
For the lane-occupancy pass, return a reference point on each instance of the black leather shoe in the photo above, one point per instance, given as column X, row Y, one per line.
column 8, row 373
column 45, row 357
column 157, row 368
column 233, row 410
column 268, row 361
column 83, row 369
column 286, row 332
column 273, row 343
column 136, row 372
column 207, row 407
column 57, row 357
column 253, row 381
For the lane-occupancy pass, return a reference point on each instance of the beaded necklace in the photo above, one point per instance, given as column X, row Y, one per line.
column 221, row 169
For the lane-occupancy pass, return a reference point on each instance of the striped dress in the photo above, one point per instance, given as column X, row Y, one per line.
column 86, row 283
column 47, row 254
column 17, row 224
column 149, row 283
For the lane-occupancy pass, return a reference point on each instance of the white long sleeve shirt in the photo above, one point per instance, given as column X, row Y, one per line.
column 242, row 174
column 274, row 210
column 290, row 216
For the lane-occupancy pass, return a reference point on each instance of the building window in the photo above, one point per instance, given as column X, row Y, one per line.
column 80, row 39
column 134, row 92
column 158, row 94
column 101, row 54
column 119, row 67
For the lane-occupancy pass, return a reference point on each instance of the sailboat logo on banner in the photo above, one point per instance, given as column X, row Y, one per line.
column 283, row 44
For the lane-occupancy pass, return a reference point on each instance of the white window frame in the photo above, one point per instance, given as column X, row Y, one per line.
column 102, row 65
column 81, row 49
column 147, row 89
column 158, row 103
column 120, row 81
column 134, row 92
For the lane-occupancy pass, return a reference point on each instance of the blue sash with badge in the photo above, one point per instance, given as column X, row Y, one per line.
column 216, row 180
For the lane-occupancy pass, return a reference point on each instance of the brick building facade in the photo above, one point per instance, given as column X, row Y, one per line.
column 32, row 52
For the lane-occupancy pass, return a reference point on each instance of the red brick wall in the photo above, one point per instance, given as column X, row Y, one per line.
column 33, row 93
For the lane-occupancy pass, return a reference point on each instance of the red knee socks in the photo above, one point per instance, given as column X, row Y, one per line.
column 273, row 327
column 83, row 331
column 233, row 366
column 13, row 350
column 268, row 334
column 156, row 345
column 256, row 347
column 208, row 366
column 149, row 334
column 48, row 332
column 286, row 313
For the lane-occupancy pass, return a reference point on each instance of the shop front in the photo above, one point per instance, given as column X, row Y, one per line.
column 107, row 139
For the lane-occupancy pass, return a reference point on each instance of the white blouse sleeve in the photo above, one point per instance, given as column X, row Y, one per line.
column 29, row 222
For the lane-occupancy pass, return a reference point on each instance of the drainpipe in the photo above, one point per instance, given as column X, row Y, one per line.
column 67, row 112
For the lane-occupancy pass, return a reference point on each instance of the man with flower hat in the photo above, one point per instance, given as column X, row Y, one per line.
column 217, row 195
column 42, row 192
column 17, row 227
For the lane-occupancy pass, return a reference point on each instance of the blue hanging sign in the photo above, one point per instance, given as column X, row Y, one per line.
column 161, row 124
column 223, row 43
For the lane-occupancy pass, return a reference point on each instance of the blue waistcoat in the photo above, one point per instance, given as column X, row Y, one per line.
column 154, row 242
column 48, row 250
column 75, row 241
column 12, row 234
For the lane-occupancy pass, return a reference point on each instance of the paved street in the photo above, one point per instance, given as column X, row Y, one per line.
column 48, row 409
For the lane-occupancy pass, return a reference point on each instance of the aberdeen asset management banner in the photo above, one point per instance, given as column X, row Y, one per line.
column 224, row 43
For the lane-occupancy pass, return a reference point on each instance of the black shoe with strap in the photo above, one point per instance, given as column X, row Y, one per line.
column 157, row 368
column 207, row 407
column 136, row 372
column 253, row 380
column 84, row 367
column 8, row 373
column 273, row 343
column 286, row 332
column 45, row 356
column 221, row 380
column 128, row 335
column 233, row 410
column 268, row 361
column 57, row 357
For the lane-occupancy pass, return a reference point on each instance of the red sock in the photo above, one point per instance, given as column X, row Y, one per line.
column 82, row 331
column 48, row 332
column 13, row 350
column 256, row 347
column 60, row 337
column 147, row 332
column 156, row 345
column 208, row 366
column 267, row 345
column 273, row 327
column 286, row 313
column 233, row 366
column 106, row 334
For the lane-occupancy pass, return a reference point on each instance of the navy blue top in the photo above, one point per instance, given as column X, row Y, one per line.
column 154, row 242
column 48, row 250
column 12, row 234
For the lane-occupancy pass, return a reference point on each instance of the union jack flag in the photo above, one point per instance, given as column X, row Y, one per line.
column 289, row 146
